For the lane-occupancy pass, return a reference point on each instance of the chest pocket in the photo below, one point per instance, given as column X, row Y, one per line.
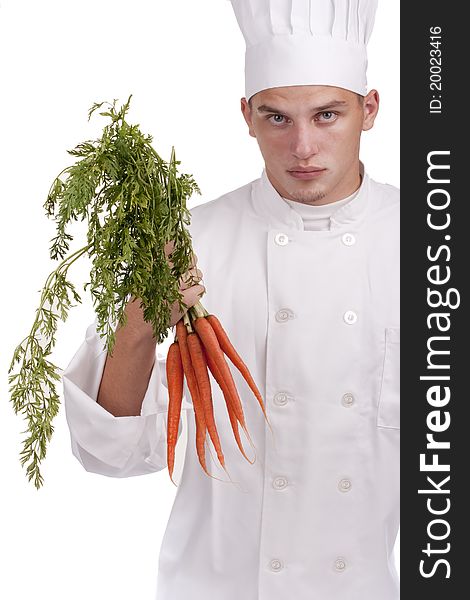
column 389, row 399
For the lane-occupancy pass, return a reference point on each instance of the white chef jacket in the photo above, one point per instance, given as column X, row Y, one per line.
column 315, row 316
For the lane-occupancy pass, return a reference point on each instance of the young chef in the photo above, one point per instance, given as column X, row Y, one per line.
column 306, row 282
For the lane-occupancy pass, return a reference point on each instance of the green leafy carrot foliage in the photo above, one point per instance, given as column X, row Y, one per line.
column 134, row 203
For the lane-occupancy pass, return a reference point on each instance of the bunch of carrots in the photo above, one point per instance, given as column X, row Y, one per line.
column 200, row 346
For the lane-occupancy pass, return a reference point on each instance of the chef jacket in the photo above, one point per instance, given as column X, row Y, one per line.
column 315, row 316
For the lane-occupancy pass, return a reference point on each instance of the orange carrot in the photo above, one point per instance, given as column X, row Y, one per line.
column 182, row 335
column 228, row 348
column 229, row 403
column 194, row 390
column 175, row 378
column 199, row 363
column 202, row 351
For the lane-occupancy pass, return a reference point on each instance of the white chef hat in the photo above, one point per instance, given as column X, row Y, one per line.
column 305, row 42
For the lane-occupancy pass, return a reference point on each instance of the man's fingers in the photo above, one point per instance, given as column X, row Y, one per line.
column 190, row 297
column 190, row 278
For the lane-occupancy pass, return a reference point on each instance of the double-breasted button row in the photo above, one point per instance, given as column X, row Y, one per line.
column 281, row 398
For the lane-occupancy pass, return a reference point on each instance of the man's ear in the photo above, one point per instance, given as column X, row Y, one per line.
column 247, row 114
column 371, row 108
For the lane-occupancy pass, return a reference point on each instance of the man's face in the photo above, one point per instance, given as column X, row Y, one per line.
column 309, row 137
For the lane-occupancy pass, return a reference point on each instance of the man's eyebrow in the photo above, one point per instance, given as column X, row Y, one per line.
column 324, row 107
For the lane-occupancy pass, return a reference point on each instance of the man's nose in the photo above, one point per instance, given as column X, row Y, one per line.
column 304, row 142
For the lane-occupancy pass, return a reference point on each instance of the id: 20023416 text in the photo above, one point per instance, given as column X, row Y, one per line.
column 435, row 70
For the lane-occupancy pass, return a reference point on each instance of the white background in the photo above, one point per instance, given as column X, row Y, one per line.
column 84, row 535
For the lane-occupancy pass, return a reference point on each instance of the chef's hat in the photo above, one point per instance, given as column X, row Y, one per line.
column 305, row 42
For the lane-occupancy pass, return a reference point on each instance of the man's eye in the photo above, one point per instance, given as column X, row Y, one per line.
column 277, row 119
column 327, row 115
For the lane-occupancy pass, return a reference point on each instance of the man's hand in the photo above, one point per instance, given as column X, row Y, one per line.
column 191, row 294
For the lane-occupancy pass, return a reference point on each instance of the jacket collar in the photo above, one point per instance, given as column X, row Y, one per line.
column 270, row 205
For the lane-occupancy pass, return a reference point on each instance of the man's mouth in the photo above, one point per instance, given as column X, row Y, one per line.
column 306, row 172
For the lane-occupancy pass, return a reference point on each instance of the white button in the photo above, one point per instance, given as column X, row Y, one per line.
column 350, row 317
column 284, row 314
column 281, row 239
column 275, row 565
column 347, row 400
column 340, row 565
column 281, row 398
column 344, row 485
column 279, row 483
column 349, row 239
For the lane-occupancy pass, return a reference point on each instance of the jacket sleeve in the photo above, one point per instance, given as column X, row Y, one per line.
column 103, row 443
